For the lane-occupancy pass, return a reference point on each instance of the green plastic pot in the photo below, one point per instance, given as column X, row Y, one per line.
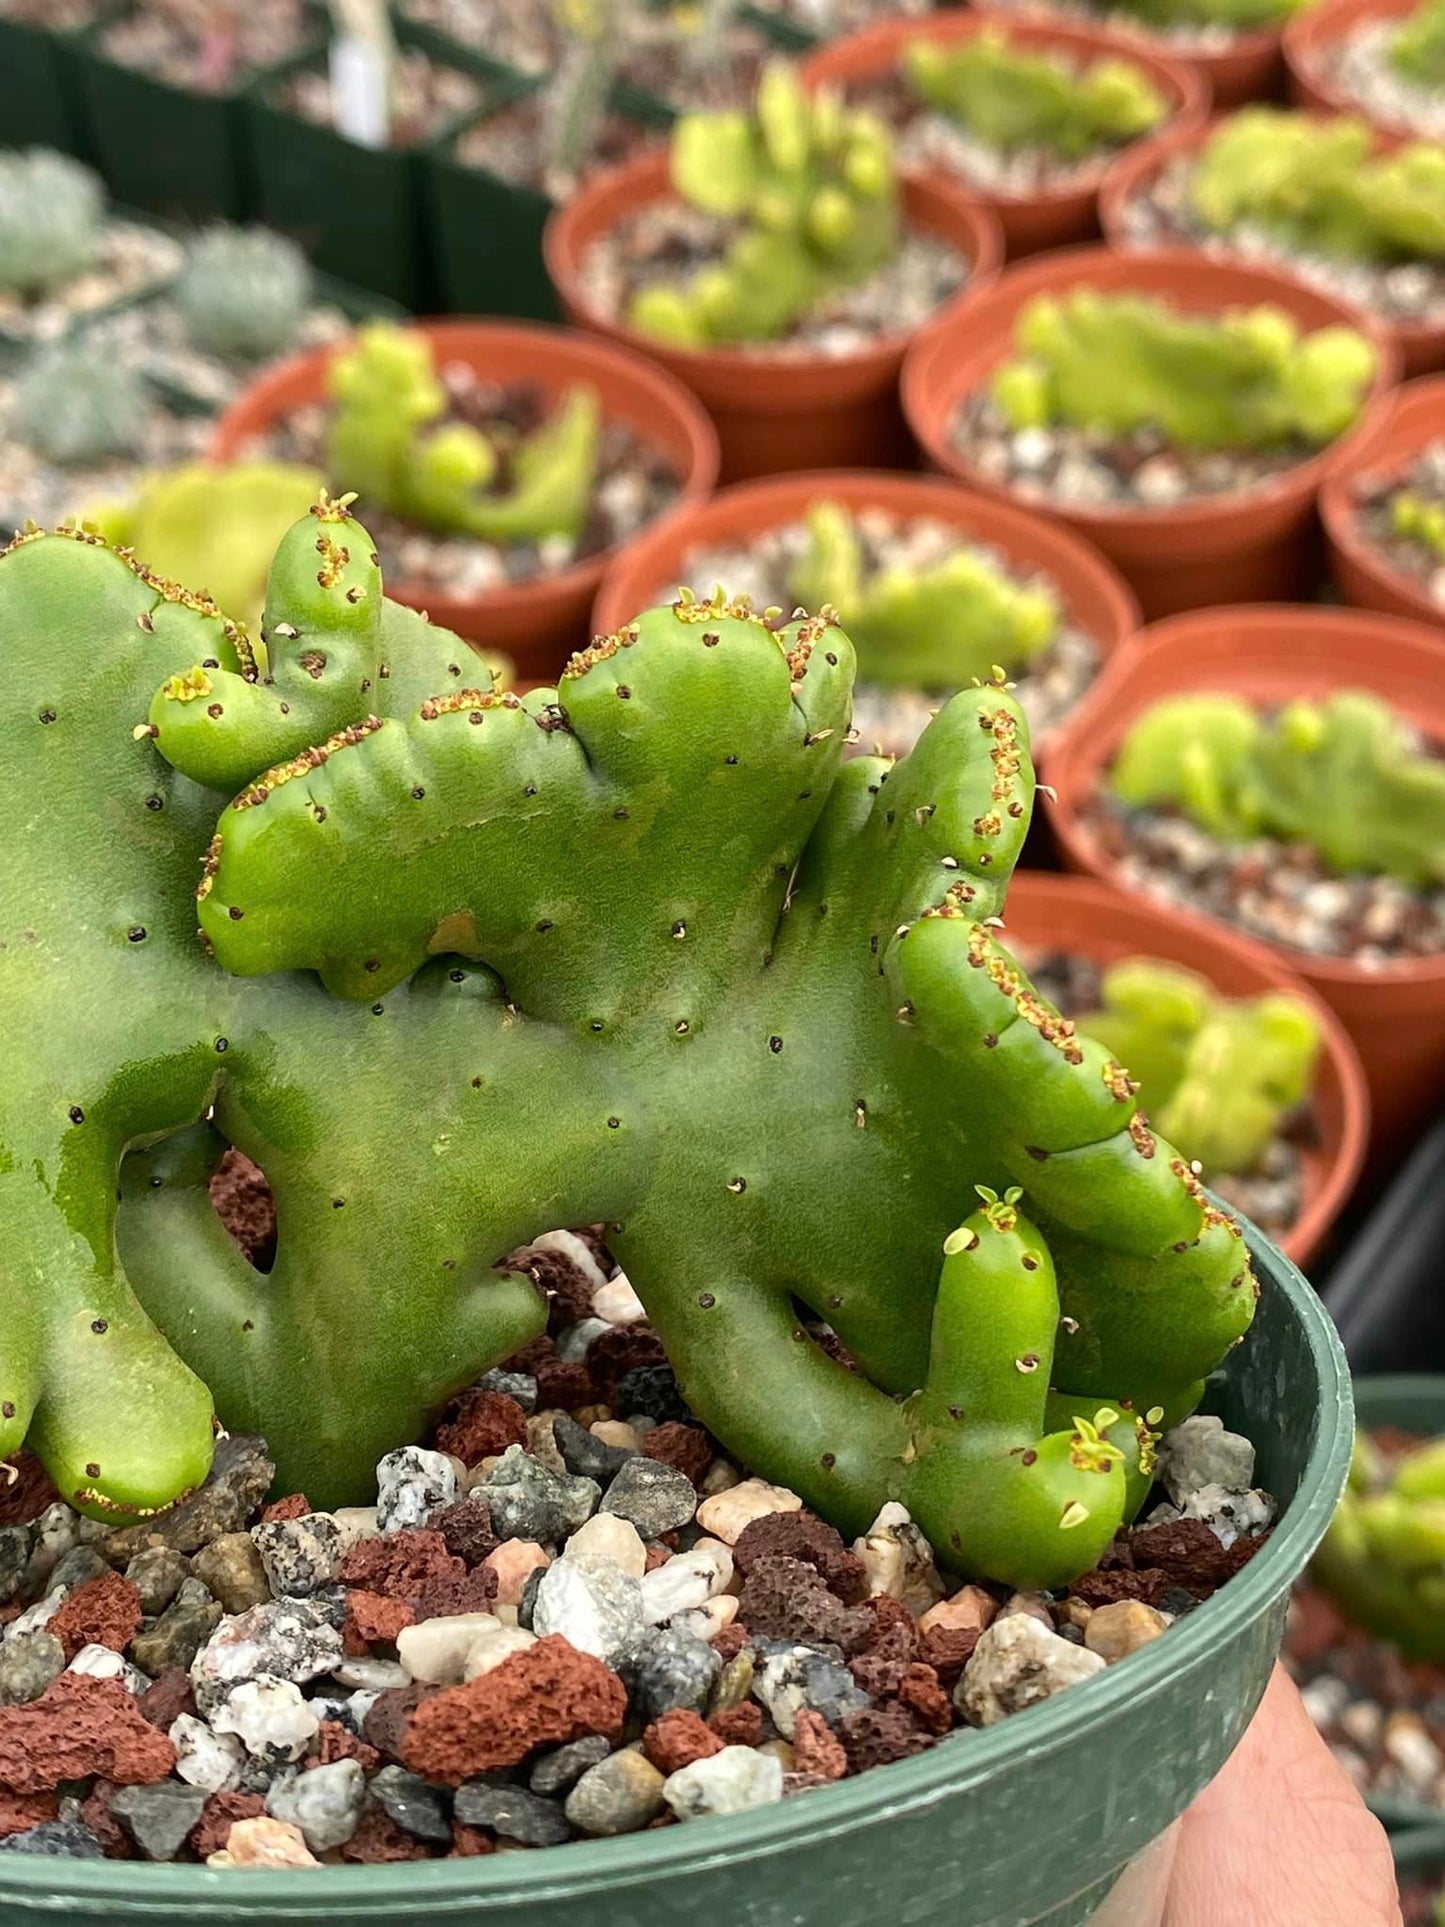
column 35, row 104
column 1027, row 1824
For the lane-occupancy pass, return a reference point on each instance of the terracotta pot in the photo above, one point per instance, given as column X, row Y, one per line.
column 536, row 623
column 1099, row 921
column 1094, row 596
column 1416, row 417
column 1049, row 217
column 1248, row 545
column 778, row 411
column 1421, row 344
column 1251, row 67
column 1395, row 1014
column 1323, row 25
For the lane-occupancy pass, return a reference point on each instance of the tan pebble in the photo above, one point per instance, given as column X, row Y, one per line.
column 970, row 1608
column 722, row 1610
column 1032, row 1603
column 612, row 1431
column 608, row 1537
column 726, row 1514
column 722, row 1476
column 1074, row 1612
column 590, row 1415
column 898, row 1560
column 617, row 1303
column 514, row 1562
column 507, row 1614
column 542, row 1442
column 1123, row 1627
column 494, row 1646
column 264, row 1842
column 780, row 1750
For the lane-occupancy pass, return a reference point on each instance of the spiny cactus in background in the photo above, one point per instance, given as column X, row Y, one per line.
column 218, row 526
column 1320, row 186
column 243, row 292
column 74, row 406
column 1216, row 1075
column 1246, row 378
column 574, row 966
column 1417, row 51
column 1014, row 97
column 51, row 210
column 938, row 628
column 1346, row 775
column 595, row 37
column 1383, row 1557
column 810, row 185
column 1417, row 519
column 388, row 441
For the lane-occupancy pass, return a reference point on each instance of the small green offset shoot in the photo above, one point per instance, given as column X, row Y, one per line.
column 1345, row 775
column 1013, row 97
column 1415, row 518
column 1383, row 1557
column 1417, row 52
column 940, row 628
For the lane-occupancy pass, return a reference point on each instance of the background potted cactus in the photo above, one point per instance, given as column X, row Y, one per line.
column 441, row 817
column 1027, row 114
column 1180, row 413
column 777, row 264
column 501, row 462
column 1379, row 58
column 1354, row 920
column 1329, row 199
column 1379, row 512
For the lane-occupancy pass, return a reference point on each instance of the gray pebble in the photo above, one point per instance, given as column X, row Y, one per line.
column 326, row 1802
column 799, row 1676
column 728, row 1782
column 574, row 1343
column 560, row 1770
column 28, row 1663
column 411, row 1485
column 589, row 1457
column 512, row 1812
column 158, row 1576
column 620, row 1795
column 518, row 1385
column 529, row 1501
column 657, row 1498
column 418, row 1808
column 672, row 1667
column 230, row 1568
column 288, row 1639
column 300, row 1555
column 15, row 1544
column 179, row 1634
column 158, row 1818
column 1201, row 1453
column 56, row 1531
column 79, row 1566
column 67, row 1839
column 597, row 1608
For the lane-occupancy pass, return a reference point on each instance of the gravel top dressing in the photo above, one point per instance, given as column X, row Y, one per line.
column 680, row 67
column 1272, row 1192
column 1375, row 497
column 130, row 258
column 1359, row 68
column 633, row 486
column 523, row 37
column 1085, row 468
column 670, row 241
column 889, row 719
column 61, row 16
column 1185, row 37
column 186, row 53
column 1159, row 215
column 429, row 97
column 828, row 19
column 571, row 1618
column 512, row 143
column 1279, row 891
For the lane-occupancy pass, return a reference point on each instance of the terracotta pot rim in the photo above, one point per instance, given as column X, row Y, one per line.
column 1063, row 555
column 1106, row 709
column 887, row 36
column 1307, row 32
column 931, row 200
column 1068, row 266
column 1338, row 1057
column 451, row 334
column 1337, row 509
column 1259, row 40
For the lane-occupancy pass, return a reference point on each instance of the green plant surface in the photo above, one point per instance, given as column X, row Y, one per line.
column 1218, row 1075
column 1344, row 775
column 1416, row 518
column 243, row 292
column 388, row 440
column 641, row 950
column 1013, row 97
column 74, row 406
column 1321, row 187
column 809, row 188
column 938, row 628
column 1417, row 52
column 1383, row 1557
column 1244, row 379
column 51, row 209
column 1234, row 16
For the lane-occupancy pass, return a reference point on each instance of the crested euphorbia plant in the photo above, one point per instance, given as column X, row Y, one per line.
column 643, row 949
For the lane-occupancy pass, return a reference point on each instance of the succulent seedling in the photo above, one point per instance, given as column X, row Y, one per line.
column 1383, row 1557
column 75, row 407
column 243, row 292
column 1417, row 52
column 642, row 949
column 51, row 210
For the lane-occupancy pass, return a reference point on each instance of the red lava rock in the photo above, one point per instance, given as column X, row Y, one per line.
column 800, row 1535
column 245, row 1206
column 26, row 1496
column 613, row 1354
column 373, row 1620
column 95, row 1812
column 948, row 1649
column 379, row 1842
column 1103, row 1588
column 878, row 1735
column 895, row 1631
column 679, row 1738
column 467, row 1529
column 817, row 1749
column 399, row 1564
column 1190, row 1554
column 548, row 1695
column 218, row 1816
column 19, row 1812
column 562, row 1387
column 453, row 1593
column 740, row 1725
column 295, row 1505
column 163, row 1702
column 103, row 1612
column 79, row 1727
column 335, row 1742
column 566, row 1287
column 687, row 1448
column 926, row 1700
column 469, row 1842
column 786, row 1599
column 730, row 1641
column 481, row 1425
column 880, row 1674
column 386, row 1718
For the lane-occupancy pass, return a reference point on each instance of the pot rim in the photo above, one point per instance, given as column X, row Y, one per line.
column 464, row 339
column 1260, row 40
column 1311, row 29
column 1423, row 398
column 595, row 1868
